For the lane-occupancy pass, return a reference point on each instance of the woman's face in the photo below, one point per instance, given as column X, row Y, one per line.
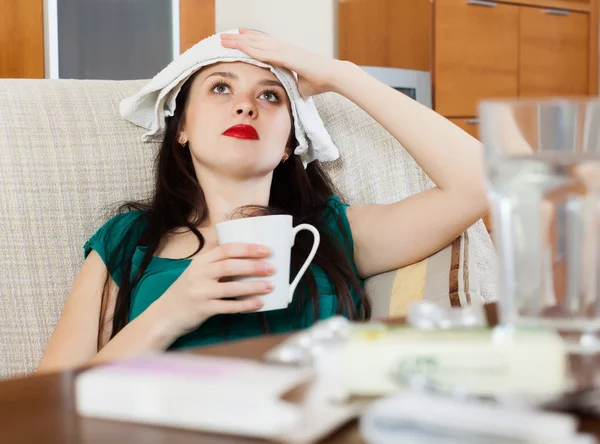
column 227, row 101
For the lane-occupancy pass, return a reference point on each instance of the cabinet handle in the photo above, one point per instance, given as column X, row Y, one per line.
column 557, row 12
column 482, row 3
column 473, row 121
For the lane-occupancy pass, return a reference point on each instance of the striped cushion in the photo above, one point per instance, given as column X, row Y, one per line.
column 446, row 278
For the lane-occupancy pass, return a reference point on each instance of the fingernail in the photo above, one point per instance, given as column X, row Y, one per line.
column 269, row 285
column 269, row 268
column 263, row 250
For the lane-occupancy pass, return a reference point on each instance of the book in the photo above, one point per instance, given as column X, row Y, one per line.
column 379, row 360
column 213, row 394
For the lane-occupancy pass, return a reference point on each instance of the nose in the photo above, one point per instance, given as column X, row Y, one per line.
column 245, row 107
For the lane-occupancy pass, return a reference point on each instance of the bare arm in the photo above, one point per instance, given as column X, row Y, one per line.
column 74, row 340
column 194, row 297
column 398, row 234
column 390, row 236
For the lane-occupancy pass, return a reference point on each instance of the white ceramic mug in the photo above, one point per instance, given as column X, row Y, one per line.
column 277, row 233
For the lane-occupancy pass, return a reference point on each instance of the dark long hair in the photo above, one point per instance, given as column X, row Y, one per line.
column 178, row 201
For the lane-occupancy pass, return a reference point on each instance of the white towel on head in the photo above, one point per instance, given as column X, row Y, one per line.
column 150, row 106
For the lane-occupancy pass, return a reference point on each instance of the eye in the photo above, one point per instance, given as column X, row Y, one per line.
column 220, row 88
column 271, row 96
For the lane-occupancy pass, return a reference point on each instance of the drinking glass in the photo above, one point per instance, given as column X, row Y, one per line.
column 542, row 160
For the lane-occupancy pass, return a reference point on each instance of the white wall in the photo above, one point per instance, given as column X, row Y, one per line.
column 311, row 24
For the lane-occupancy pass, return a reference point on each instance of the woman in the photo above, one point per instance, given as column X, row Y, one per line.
column 228, row 149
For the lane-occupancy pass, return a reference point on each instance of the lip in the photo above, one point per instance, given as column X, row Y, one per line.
column 242, row 132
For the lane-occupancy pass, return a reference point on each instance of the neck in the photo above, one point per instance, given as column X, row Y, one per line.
column 224, row 195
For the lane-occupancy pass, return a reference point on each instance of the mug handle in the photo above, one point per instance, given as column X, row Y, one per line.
column 317, row 240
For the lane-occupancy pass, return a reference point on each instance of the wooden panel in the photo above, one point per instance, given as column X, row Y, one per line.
column 594, row 50
column 362, row 30
column 573, row 5
column 391, row 33
column 196, row 21
column 409, row 34
column 554, row 53
column 476, row 55
column 22, row 39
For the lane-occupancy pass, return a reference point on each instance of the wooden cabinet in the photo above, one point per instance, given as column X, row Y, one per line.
column 572, row 5
column 390, row 33
column 487, row 49
column 362, row 31
column 475, row 49
column 22, row 39
column 196, row 22
column 553, row 56
column 476, row 54
column 409, row 34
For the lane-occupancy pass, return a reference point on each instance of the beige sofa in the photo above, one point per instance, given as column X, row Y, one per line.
column 67, row 159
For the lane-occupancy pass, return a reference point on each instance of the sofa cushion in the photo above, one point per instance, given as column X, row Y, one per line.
column 447, row 278
column 375, row 168
column 67, row 160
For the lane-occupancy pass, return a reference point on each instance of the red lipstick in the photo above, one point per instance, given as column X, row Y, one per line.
column 242, row 132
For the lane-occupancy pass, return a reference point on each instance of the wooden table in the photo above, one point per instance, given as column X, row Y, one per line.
column 40, row 409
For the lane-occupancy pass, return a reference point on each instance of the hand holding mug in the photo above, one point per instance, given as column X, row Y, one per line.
column 200, row 292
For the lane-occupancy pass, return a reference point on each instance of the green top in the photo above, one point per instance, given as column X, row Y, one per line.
column 162, row 272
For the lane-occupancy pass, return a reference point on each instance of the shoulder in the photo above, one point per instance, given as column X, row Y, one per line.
column 124, row 224
column 116, row 240
column 127, row 226
column 335, row 219
column 335, row 208
column 125, row 221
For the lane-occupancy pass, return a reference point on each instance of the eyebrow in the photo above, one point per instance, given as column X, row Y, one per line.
column 233, row 76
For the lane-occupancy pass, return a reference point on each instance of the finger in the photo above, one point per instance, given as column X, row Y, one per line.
column 239, row 267
column 235, row 289
column 229, row 41
column 236, row 37
column 236, row 44
column 230, row 307
column 238, row 251
column 242, row 45
column 247, row 31
column 246, row 38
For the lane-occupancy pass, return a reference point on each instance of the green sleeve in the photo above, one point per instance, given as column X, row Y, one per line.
column 115, row 240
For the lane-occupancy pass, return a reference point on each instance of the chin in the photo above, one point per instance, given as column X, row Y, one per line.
column 252, row 159
column 249, row 167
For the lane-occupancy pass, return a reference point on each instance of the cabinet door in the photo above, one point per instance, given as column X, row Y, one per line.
column 476, row 54
column 362, row 29
column 409, row 34
column 196, row 22
column 22, row 39
column 389, row 33
column 554, row 53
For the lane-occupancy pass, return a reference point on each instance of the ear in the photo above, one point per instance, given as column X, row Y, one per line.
column 182, row 139
column 286, row 154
